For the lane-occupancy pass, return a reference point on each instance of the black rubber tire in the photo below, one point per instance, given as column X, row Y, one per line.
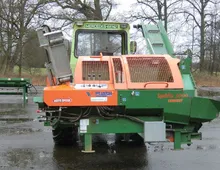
column 65, row 136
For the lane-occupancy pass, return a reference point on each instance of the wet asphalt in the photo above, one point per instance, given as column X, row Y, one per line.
column 26, row 145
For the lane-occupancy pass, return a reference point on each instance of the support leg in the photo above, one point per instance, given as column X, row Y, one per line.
column 126, row 138
column 177, row 140
column 25, row 99
column 88, row 143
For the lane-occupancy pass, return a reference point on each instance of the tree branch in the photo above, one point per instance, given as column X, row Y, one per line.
column 110, row 9
column 194, row 18
column 148, row 5
column 197, row 8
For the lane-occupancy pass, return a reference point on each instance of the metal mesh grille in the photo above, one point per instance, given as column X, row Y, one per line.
column 95, row 70
column 118, row 69
column 149, row 69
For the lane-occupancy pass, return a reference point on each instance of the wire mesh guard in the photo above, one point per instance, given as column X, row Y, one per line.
column 95, row 70
column 118, row 70
column 149, row 69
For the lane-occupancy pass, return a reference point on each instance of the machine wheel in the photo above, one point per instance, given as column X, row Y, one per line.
column 65, row 136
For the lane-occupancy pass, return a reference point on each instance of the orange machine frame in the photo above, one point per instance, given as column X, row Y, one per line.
column 68, row 95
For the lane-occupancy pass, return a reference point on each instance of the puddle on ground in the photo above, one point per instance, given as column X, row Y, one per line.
column 108, row 155
column 207, row 147
column 12, row 110
column 25, row 159
column 125, row 157
column 8, row 120
column 17, row 128
column 71, row 157
column 18, row 131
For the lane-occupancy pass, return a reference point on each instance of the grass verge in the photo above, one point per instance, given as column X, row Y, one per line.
column 205, row 79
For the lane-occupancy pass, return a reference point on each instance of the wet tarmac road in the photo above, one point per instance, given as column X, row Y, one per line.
column 28, row 145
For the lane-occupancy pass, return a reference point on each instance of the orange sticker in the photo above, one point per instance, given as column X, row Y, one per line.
column 172, row 96
column 175, row 100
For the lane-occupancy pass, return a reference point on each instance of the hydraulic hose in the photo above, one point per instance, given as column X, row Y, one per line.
column 104, row 113
column 32, row 86
column 72, row 117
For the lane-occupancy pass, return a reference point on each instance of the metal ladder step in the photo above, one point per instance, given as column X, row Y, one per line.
column 157, row 39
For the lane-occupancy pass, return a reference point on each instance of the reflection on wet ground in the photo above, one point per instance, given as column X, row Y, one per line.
column 72, row 158
column 26, row 145
column 125, row 157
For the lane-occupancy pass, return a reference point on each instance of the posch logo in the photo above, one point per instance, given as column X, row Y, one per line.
column 99, row 94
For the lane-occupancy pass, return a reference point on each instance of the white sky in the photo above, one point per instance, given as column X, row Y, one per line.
column 125, row 3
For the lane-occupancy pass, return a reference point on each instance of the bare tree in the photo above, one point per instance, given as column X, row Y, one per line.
column 212, row 45
column 154, row 10
column 34, row 56
column 200, row 18
column 68, row 11
column 16, row 16
column 7, row 33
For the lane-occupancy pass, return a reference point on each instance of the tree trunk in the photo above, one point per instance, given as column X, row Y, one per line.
column 159, row 8
column 20, row 40
column 213, row 59
column 211, row 51
column 4, row 65
column 202, row 36
column 165, row 14
column 98, row 12
column 20, row 60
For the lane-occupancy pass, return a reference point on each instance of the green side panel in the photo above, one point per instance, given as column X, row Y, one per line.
column 151, row 98
column 204, row 109
column 185, row 68
column 188, row 82
column 178, row 106
column 114, row 126
column 175, row 103
column 185, row 65
column 177, row 112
